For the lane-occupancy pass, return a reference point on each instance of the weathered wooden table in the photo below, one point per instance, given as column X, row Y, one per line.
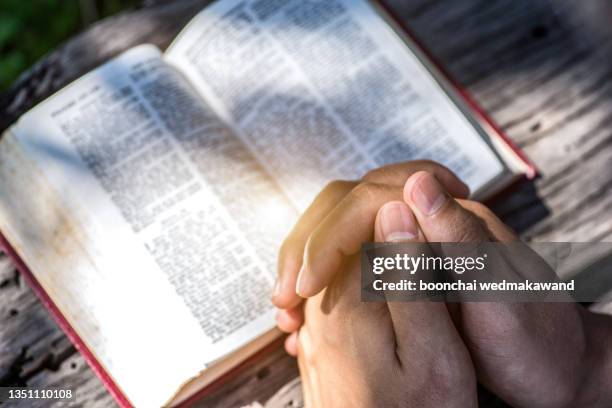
column 541, row 68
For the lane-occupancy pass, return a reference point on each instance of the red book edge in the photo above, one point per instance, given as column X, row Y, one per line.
column 90, row 358
column 95, row 365
column 478, row 111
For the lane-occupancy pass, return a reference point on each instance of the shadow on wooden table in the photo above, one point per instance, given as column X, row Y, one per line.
column 520, row 206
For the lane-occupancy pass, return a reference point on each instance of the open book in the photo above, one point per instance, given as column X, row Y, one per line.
column 148, row 199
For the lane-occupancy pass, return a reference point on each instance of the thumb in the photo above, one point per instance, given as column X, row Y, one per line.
column 421, row 328
column 440, row 217
column 396, row 223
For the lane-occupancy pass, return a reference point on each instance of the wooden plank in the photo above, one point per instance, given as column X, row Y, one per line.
column 540, row 68
column 544, row 79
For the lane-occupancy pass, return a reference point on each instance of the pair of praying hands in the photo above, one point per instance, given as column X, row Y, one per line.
column 424, row 354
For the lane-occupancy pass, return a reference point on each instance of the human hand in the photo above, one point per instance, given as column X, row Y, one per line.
column 356, row 354
column 529, row 354
column 329, row 220
column 522, row 352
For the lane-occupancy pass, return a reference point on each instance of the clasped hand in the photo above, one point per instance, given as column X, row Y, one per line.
column 424, row 354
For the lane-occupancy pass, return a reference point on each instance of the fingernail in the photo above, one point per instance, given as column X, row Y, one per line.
column 299, row 285
column 427, row 194
column 397, row 223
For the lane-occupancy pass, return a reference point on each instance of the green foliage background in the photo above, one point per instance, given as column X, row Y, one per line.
column 31, row 28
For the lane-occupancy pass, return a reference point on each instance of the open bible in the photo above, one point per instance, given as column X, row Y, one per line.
column 147, row 200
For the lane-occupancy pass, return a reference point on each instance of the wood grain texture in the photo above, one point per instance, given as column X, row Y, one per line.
column 541, row 68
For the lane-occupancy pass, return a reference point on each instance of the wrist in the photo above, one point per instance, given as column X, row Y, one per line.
column 595, row 389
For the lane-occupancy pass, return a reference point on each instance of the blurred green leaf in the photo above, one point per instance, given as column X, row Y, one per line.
column 11, row 66
column 9, row 27
column 29, row 29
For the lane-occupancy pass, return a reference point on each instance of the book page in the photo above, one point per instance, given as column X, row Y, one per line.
column 324, row 90
column 176, row 223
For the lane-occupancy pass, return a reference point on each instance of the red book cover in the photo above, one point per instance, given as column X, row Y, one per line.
column 95, row 365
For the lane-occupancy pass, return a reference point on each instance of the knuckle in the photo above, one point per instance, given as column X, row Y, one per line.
column 365, row 190
column 337, row 185
column 429, row 164
column 375, row 174
column 434, row 166
column 406, row 168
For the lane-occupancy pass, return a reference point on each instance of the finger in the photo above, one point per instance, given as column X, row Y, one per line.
column 291, row 346
column 496, row 227
column 440, row 216
column 289, row 320
column 395, row 223
column 343, row 326
column 444, row 219
column 397, row 174
column 341, row 234
column 292, row 250
column 424, row 331
column 421, row 329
